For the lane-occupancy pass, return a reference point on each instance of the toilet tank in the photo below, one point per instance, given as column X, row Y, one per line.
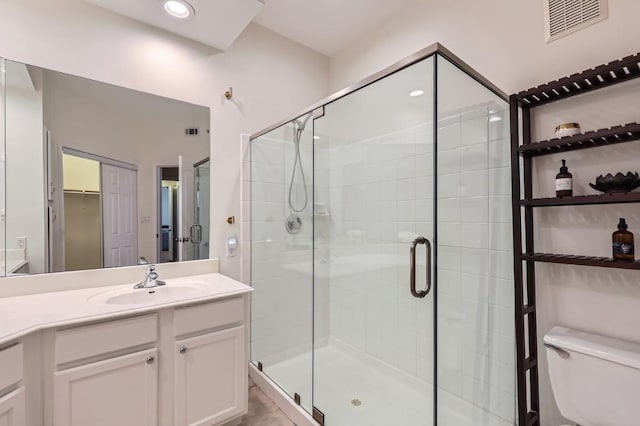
column 595, row 379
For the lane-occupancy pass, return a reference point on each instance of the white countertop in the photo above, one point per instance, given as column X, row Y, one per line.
column 22, row 315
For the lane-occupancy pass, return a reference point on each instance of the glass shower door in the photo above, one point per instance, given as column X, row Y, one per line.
column 373, row 209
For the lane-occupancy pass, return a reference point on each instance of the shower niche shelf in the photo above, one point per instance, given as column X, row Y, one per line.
column 525, row 258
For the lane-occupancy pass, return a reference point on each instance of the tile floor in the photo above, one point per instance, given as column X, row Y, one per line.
column 262, row 411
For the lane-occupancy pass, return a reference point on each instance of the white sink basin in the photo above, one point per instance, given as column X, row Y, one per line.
column 159, row 294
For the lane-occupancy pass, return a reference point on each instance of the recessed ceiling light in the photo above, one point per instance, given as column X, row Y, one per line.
column 495, row 118
column 416, row 93
column 178, row 9
column 316, row 137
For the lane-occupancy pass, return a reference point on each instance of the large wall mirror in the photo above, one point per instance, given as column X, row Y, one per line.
column 94, row 175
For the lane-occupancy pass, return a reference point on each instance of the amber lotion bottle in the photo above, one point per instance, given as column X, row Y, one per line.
column 564, row 182
column 623, row 243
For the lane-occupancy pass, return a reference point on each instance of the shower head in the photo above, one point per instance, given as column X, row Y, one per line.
column 302, row 124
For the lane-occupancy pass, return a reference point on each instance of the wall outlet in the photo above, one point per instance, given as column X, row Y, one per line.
column 21, row 242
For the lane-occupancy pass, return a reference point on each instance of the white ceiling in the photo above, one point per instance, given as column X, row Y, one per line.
column 216, row 23
column 326, row 25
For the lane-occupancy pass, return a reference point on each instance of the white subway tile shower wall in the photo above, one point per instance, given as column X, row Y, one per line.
column 475, row 281
column 280, row 263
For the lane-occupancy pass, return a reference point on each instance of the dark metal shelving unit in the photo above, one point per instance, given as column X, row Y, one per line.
column 584, row 200
column 525, row 257
column 602, row 262
column 618, row 134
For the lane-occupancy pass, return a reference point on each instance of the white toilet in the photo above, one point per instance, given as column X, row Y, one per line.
column 595, row 379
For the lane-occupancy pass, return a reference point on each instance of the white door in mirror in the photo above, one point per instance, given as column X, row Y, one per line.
column 119, row 203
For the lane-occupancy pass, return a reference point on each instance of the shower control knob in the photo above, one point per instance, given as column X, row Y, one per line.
column 293, row 224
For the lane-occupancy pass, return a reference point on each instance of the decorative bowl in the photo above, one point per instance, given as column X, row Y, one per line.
column 617, row 183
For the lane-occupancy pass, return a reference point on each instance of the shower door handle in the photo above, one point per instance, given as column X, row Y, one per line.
column 420, row 293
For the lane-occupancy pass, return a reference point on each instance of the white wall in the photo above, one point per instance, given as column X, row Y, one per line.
column 501, row 39
column 603, row 301
column 25, row 175
column 504, row 41
column 272, row 77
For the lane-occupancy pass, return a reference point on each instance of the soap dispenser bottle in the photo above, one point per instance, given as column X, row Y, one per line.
column 564, row 182
column 623, row 243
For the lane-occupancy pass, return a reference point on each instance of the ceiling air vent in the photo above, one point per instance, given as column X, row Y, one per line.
column 568, row 16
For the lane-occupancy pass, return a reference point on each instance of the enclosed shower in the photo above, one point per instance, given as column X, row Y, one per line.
column 392, row 302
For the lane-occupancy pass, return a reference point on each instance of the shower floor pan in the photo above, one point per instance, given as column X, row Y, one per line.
column 351, row 392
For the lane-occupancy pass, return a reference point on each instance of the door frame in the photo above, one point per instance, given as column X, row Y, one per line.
column 197, row 220
column 158, row 192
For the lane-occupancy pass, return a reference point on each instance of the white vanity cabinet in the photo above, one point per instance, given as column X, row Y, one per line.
column 103, row 377
column 182, row 366
column 88, row 363
column 12, row 390
column 12, row 408
column 210, row 375
column 119, row 391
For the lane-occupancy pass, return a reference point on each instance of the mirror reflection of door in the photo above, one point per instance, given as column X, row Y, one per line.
column 200, row 229
column 120, row 233
column 168, row 196
column 186, row 207
column 99, row 212
column 183, row 195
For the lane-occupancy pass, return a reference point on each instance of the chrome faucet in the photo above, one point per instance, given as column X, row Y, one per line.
column 151, row 280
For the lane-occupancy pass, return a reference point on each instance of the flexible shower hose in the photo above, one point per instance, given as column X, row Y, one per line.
column 297, row 164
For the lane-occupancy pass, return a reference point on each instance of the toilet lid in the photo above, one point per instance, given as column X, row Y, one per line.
column 607, row 348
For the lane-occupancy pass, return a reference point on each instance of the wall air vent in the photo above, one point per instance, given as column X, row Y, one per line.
column 564, row 17
column 193, row 131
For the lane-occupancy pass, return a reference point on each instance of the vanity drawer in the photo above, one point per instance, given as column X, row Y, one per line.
column 208, row 316
column 11, row 366
column 92, row 340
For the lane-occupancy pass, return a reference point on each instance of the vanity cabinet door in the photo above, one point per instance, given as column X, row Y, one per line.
column 12, row 408
column 210, row 378
column 119, row 391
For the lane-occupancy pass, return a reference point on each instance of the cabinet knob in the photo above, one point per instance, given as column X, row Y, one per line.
column 183, row 350
column 150, row 360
